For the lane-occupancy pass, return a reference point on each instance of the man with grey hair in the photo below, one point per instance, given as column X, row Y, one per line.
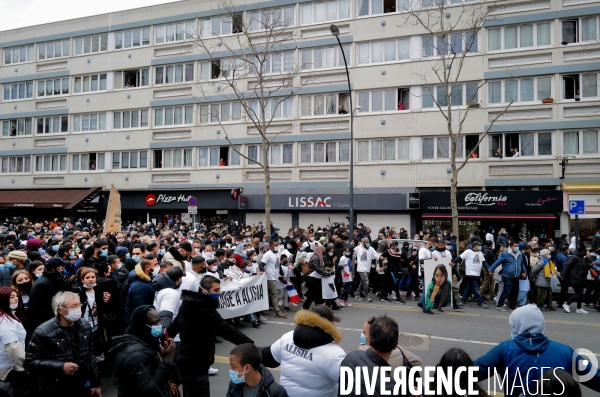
column 60, row 353
column 541, row 273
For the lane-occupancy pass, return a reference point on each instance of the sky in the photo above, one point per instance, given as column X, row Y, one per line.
column 21, row 13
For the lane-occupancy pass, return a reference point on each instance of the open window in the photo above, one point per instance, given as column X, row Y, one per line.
column 511, row 142
column 389, row 6
column 344, row 102
column 214, row 156
column 132, row 78
column 237, row 22
column 403, row 98
column 215, row 69
column 571, row 86
column 570, row 31
column 470, row 143
column 158, row 159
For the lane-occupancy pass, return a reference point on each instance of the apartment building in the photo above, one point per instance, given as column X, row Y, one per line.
column 118, row 99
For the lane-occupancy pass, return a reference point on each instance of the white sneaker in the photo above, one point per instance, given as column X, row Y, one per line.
column 347, row 304
column 213, row 371
column 358, row 298
column 581, row 311
column 369, row 299
column 496, row 299
column 567, row 308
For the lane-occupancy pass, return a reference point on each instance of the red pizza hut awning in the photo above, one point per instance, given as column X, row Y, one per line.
column 55, row 198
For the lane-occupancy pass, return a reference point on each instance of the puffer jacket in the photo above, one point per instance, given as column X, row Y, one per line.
column 140, row 291
column 538, row 272
column 577, row 269
column 197, row 324
column 51, row 346
column 138, row 369
column 268, row 387
column 512, row 266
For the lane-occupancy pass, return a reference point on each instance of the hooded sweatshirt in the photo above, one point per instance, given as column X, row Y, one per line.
column 167, row 299
column 309, row 356
column 529, row 349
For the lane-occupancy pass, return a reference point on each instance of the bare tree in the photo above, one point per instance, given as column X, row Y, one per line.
column 251, row 63
column 451, row 34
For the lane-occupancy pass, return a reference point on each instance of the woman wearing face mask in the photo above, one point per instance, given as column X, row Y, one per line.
column 21, row 283
column 542, row 273
column 35, row 269
column 141, row 346
column 328, row 284
column 12, row 341
column 313, row 281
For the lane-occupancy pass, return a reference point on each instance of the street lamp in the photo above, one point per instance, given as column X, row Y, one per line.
column 336, row 32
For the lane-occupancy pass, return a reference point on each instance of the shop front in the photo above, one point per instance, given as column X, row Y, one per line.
column 524, row 214
column 589, row 223
column 47, row 204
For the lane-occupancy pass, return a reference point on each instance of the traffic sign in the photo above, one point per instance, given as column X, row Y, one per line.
column 192, row 201
column 192, row 210
column 576, row 207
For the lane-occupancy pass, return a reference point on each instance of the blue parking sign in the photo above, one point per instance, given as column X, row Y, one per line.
column 576, row 207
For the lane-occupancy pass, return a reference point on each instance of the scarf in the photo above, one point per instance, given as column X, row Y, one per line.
column 319, row 253
column 549, row 268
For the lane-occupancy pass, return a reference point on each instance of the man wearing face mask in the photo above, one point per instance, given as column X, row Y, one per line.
column 140, row 291
column 179, row 257
column 474, row 261
column 142, row 366
column 197, row 324
column 16, row 260
column 168, row 296
column 270, row 265
column 365, row 255
column 425, row 253
column 513, row 267
column 191, row 281
column 101, row 250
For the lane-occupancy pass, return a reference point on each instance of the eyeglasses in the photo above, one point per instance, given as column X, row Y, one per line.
column 76, row 306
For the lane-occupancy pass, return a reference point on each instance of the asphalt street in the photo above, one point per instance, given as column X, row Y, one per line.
column 475, row 330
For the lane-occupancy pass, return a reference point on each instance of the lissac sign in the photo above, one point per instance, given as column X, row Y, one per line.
column 314, row 202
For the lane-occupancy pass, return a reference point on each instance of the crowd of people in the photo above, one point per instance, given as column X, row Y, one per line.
column 78, row 304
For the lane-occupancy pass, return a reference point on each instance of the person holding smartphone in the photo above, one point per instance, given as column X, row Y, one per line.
column 143, row 357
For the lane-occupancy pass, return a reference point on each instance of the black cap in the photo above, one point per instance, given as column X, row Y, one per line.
column 394, row 243
column 175, row 273
column 326, row 313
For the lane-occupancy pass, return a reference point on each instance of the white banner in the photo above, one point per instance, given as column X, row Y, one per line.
column 241, row 297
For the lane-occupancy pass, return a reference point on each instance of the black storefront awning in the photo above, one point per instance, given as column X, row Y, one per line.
column 528, row 217
column 54, row 198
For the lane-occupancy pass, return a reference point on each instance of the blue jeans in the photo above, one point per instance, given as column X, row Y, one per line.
column 509, row 284
column 404, row 281
column 472, row 288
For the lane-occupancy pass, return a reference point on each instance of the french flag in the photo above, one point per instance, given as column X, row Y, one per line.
column 292, row 294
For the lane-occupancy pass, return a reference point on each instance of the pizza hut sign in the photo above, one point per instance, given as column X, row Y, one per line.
column 152, row 199
column 485, row 199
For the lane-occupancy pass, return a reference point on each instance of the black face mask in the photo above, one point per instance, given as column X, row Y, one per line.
column 441, row 249
column 24, row 288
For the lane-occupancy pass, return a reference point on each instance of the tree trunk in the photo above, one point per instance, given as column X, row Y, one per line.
column 453, row 202
column 265, row 161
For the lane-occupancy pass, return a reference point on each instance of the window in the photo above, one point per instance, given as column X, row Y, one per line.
column 281, row 154
column 16, row 91
column 54, row 49
column 88, row 162
column 525, row 144
column 53, row 87
column 577, row 86
column 462, row 95
column 130, row 119
column 275, row 108
column 223, row 25
column 89, row 83
column 132, row 38
column 519, row 90
column 439, row 147
column 177, row 115
column 179, row 31
column 89, row 122
column 91, row 44
column 325, row 57
column 384, row 51
column 174, row 73
column 581, row 142
column 383, row 150
column 134, row 78
column 18, row 54
column 325, row 152
column 18, row 127
column 383, row 100
column 520, row 36
column 320, row 105
column 129, row 160
column 220, row 112
column 277, row 62
column 218, row 156
column 218, row 68
column 52, row 125
column 266, row 20
column 16, row 164
column 51, row 163
column 254, row 154
column 374, row 7
column 172, row 158
column 453, row 43
column 325, row 11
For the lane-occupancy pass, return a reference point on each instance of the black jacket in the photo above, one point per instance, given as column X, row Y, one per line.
column 138, row 369
column 396, row 261
column 367, row 359
column 268, row 387
column 197, row 323
column 577, row 270
column 51, row 346
column 40, row 299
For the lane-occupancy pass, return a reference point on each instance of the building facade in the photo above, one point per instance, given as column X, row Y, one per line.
column 118, row 99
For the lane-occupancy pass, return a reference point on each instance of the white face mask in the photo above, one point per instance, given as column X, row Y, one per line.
column 213, row 268
column 155, row 271
column 14, row 306
column 74, row 315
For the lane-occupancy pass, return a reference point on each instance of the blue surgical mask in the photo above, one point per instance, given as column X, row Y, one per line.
column 72, row 256
column 367, row 245
column 137, row 259
column 42, row 251
column 9, row 265
column 233, row 376
column 103, row 253
column 119, row 266
column 38, row 275
column 128, row 256
column 479, row 248
column 213, row 295
column 156, row 330
column 2, row 266
column 161, row 252
column 347, row 254
column 516, row 249
column 55, row 247
column 89, row 286
column 289, row 247
column 363, row 339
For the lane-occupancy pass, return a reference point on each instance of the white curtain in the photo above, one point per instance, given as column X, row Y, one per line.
column 510, row 37
column 319, row 153
column 543, row 33
column 571, row 142
column 307, row 13
column 363, row 101
column 428, row 148
column 590, row 85
column 363, row 151
column 376, row 7
column 443, row 147
column 590, row 142
column 376, row 151
column 526, row 39
column 544, row 90
column 403, row 149
column 527, row 147
column 389, row 146
column 377, row 49
column 526, row 90
column 588, row 29
column 363, row 53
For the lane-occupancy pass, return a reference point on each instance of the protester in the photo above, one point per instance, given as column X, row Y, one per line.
column 16, row 260
column 577, row 270
column 12, row 342
column 168, row 297
column 474, row 262
column 365, row 254
column 248, row 377
column 60, row 354
column 270, row 264
column 454, row 359
column 527, row 350
column 542, row 273
column 21, row 283
column 313, row 279
column 140, row 291
column 513, row 267
column 144, row 367
column 197, row 324
column 309, row 356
